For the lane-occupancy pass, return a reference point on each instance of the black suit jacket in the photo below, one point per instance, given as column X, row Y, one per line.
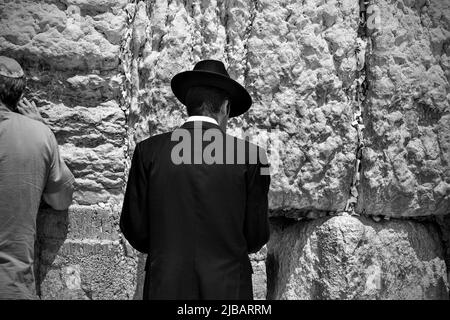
column 197, row 222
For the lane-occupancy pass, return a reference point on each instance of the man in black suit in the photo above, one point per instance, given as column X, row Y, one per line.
column 196, row 198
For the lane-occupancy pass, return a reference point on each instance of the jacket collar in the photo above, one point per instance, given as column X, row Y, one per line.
column 200, row 125
column 202, row 118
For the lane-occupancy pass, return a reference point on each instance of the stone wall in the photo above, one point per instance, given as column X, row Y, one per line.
column 345, row 257
column 406, row 156
column 70, row 53
column 355, row 94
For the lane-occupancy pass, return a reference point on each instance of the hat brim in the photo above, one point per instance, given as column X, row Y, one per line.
column 240, row 98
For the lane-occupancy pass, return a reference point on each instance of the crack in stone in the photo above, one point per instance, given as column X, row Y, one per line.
column 166, row 24
column 294, row 215
column 247, row 36
column 126, row 58
column 227, row 33
column 359, row 96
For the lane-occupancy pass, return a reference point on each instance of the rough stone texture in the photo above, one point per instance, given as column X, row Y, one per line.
column 66, row 35
column 92, row 263
column 345, row 257
column 259, row 277
column 407, row 112
column 70, row 53
column 100, row 70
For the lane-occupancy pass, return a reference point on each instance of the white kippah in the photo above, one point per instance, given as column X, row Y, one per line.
column 10, row 68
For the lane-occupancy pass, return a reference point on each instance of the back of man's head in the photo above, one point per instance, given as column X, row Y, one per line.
column 12, row 82
column 11, row 90
column 205, row 101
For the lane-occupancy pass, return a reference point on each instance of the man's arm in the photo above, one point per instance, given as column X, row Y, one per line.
column 59, row 187
column 134, row 217
column 256, row 224
column 60, row 200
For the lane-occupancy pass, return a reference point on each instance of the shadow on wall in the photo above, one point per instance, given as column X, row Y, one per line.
column 51, row 232
column 277, row 224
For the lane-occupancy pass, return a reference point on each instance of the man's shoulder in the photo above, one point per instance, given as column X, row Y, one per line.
column 32, row 128
column 28, row 121
column 155, row 140
column 245, row 149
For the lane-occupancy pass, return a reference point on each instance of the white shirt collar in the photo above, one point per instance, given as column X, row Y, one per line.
column 202, row 118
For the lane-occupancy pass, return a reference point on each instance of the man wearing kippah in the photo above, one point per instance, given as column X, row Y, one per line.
column 30, row 168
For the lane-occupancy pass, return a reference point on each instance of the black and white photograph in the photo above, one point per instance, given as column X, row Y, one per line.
column 236, row 151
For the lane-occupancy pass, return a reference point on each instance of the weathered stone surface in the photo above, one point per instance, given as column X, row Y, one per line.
column 298, row 62
column 70, row 52
column 86, row 269
column 80, row 222
column 259, row 277
column 62, row 35
column 345, row 257
column 405, row 164
column 81, row 255
column 71, row 88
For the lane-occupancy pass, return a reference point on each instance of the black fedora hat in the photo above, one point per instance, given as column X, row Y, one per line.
column 212, row 73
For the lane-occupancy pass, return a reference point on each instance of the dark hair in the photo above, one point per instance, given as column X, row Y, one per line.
column 205, row 100
column 11, row 90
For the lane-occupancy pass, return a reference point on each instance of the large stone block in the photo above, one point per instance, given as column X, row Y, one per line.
column 71, row 88
column 405, row 164
column 63, row 35
column 78, row 223
column 92, row 144
column 345, row 257
column 99, row 173
column 70, row 54
column 81, row 255
column 301, row 65
column 86, row 269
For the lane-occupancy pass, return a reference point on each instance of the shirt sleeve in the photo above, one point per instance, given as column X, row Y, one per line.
column 59, row 176
column 134, row 216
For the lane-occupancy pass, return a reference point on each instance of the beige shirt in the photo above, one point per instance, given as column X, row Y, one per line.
column 30, row 165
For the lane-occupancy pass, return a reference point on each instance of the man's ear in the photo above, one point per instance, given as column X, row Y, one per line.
column 227, row 106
